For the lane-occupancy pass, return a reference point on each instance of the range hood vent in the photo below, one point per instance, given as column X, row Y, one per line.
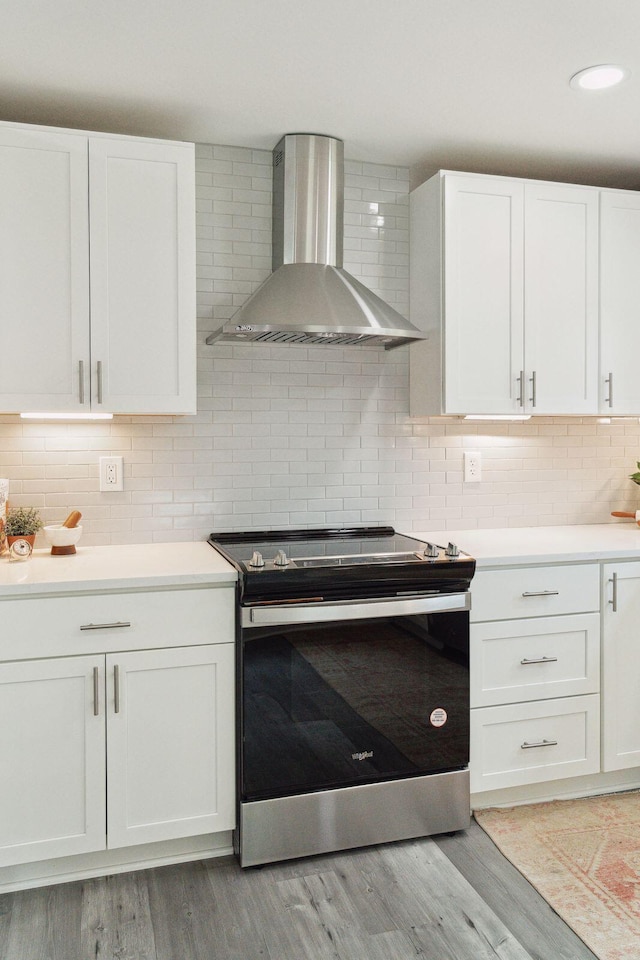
column 309, row 298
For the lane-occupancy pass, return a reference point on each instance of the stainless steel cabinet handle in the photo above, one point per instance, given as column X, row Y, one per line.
column 96, row 691
column 99, row 376
column 614, row 592
column 520, row 400
column 105, row 626
column 541, row 593
column 81, row 381
column 533, row 389
column 116, row 689
column 526, row 660
column 609, row 399
column 539, row 743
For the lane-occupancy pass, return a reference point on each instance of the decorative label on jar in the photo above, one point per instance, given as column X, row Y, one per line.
column 438, row 717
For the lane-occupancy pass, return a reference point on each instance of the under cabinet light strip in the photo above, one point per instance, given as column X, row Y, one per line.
column 503, row 416
column 67, row 416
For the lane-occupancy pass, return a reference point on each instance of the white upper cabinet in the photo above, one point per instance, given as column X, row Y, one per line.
column 504, row 281
column 142, row 242
column 619, row 302
column 560, row 299
column 98, row 280
column 44, row 269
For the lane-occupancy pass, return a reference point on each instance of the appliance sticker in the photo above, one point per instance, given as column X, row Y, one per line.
column 438, row 717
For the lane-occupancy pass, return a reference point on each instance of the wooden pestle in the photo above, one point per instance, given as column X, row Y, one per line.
column 73, row 519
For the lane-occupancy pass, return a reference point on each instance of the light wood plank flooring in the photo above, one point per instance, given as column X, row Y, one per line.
column 452, row 898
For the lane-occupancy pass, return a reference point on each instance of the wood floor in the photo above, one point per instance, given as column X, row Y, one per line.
column 452, row 898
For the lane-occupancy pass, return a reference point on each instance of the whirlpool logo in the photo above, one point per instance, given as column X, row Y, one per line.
column 363, row 755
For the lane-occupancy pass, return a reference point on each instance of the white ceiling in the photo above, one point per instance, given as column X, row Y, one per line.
column 477, row 85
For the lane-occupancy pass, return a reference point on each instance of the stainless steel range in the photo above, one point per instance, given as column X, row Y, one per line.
column 353, row 689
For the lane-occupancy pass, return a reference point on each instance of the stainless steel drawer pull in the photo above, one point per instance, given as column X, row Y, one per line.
column 116, row 689
column 541, row 593
column 526, row 660
column 96, row 692
column 81, row 381
column 533, row 389
column 614, row 592
column 99, row 377
column 520, row 400
column 540, row 743
column 105, row 626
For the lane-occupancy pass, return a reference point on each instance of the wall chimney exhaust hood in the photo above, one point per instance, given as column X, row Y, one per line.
column 309, row 298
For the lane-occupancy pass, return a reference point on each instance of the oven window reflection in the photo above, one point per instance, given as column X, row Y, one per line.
column 338, row 704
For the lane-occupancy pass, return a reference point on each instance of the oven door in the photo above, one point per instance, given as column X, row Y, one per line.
column 349, row 693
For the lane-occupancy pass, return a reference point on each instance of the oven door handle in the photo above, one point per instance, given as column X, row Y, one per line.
column 353, row 609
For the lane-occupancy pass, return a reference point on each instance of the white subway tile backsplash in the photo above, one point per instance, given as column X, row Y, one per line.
column 289, row 436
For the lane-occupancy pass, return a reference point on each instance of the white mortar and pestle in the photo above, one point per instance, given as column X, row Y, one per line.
column 64, row 536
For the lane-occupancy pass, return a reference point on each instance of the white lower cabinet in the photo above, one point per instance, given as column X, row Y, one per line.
column 525, row 743
column 170, row 743
column 116, row 747
column 621, row 666
column 52, row 759
column 535, row 680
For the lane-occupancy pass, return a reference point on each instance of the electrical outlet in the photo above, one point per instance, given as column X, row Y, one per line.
column 472, row 466
column 111, row 470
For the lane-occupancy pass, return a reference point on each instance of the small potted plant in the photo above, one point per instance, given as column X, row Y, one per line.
column 22, row 523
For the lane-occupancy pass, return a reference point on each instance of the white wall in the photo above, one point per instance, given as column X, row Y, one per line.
column 293, row 435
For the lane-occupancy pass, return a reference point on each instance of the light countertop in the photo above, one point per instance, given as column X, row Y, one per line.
column 195, row 563
column 576, row 543
column 128, row 567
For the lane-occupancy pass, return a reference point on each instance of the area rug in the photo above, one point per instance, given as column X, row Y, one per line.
column 583, row 856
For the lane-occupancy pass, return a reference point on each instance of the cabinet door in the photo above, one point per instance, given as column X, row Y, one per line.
column 483, row 300
column 620, row 302
column 561, row 299
column 142, row 202
column 44, row 271
column 170, row 743
column 621, row 666
column 52, row 763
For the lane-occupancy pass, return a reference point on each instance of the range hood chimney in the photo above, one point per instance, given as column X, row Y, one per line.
column 309, row 298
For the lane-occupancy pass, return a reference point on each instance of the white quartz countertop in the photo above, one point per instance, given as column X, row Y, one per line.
column 127, row 567
column 579, row 542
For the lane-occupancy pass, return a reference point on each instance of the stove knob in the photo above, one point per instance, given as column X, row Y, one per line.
column 452, row 551
column 431, row 551
column 256, row 559
column 281, row 559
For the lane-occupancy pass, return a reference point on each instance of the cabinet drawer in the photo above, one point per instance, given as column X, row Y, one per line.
column 513, row 661
column 66, row 626
column 534, row 742
column 535, row 592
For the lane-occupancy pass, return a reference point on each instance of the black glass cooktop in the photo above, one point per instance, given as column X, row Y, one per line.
column 339, row 563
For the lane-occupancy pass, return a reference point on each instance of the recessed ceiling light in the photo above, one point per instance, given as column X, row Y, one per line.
column 599, row 78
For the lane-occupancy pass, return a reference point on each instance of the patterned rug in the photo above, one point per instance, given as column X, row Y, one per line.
column 583, row 856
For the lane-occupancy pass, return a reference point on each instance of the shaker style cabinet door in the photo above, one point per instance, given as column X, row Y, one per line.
column 483, row 294
column 619, row 302
column 561, row 299
column 52, row 761
column 621, row 666
column 143, row 342
column 170, row 743
column 44, row 271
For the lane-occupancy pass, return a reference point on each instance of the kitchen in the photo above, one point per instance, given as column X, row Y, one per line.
column 294, row 436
